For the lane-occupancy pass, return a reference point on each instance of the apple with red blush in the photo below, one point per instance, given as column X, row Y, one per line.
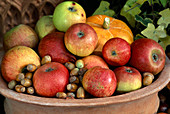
column 147, row 56
column 116, row 52
column 99, row 82
column 50, row 78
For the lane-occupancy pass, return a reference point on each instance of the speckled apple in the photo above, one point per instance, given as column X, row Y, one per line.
column 68, row 13
column 81, row 39
column 94, row 60
column 147, row 56
column 50, row 78
column 20, row 35
column 128, row 79
column 99, row 82
column 16, row 59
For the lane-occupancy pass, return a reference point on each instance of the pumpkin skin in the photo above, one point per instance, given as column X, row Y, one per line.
column 117, row 28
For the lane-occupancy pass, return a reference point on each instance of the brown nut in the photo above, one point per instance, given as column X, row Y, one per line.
column 82, row 71
column 61, row 95
column 26, row 82
column 46, row 59
column 19, row 77
column 74, row 79
column 31, row 67
column 28, row 75
column 74, row 72
column 69, row 65
column 20, row 88
column 12, row 84
column 79, row 63
column 30, row 90
column 70, row 95
column 147, row 78
column 80, row 93
column 72, row 87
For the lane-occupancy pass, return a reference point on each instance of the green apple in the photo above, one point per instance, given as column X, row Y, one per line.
column 68, row 13
column 44, row 26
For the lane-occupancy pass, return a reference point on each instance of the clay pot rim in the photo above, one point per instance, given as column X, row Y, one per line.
column 156, row 86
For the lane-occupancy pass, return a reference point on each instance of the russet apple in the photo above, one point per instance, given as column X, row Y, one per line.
column 50, row 78
column 94, row 60
column 22, row 35
column 81, row 39
column 16, row 59
column 116, row 52
column 128, row 79
column 68, row 13
column 44, row 26
column 53, row 45
column 147, row 56
column 99, row 82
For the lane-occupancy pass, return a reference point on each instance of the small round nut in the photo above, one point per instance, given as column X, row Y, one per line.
column 19, row 77
column 30, row 90
column 31, row 67
column 79, row 63
column 26, row 82
column 20, row 88
column 74, row 72
column 28, row 75
column 12, row 84
column 46, row 59
column 147, row 78
column 61, row 95
column 69, row 65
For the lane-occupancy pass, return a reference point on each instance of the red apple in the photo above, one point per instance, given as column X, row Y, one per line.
column 116, row 52
column 128, row 79
column 50, row 78
column 21, row 35
column 81, row 39
column 68, row 13
column 99, row 82
column 53, row 45
column 94, row 60
column 15, row 59
column 147, row 56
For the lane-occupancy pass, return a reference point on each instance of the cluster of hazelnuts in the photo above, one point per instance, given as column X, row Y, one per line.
column 23, row 81
column 74, row 88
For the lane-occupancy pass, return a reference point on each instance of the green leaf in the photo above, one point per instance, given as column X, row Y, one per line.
column 161, row 32
column 163, row 2
column 103, row 9
column 165, row 42
column 165, row 19
column 138, row 36
column 143, row 21
column 150, row 32
column 129, row 10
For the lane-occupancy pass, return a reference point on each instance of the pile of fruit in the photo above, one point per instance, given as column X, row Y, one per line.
column 70, row 56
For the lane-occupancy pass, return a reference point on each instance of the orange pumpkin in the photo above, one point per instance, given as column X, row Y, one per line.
column 117, row 28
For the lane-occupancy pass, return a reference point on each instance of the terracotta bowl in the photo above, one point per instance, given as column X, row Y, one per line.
column 142, row 101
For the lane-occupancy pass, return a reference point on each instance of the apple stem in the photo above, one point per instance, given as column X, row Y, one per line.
column 49, row 69
column 106, row 23
column 80, row 34
column 72, row 9
column 155, row 57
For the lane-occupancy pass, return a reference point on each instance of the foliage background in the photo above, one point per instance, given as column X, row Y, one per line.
column 146, row 18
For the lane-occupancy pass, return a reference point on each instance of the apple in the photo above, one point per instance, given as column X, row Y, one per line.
column 16, row 59
column 99, row 82
column 147, row 56
column 50, row 78
column 53, row 45
column 128, row 79
column 68, row 13
column 94, row 60
column 20, row 35
column 44, row 26
column 81, row 39
column 116, row 52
